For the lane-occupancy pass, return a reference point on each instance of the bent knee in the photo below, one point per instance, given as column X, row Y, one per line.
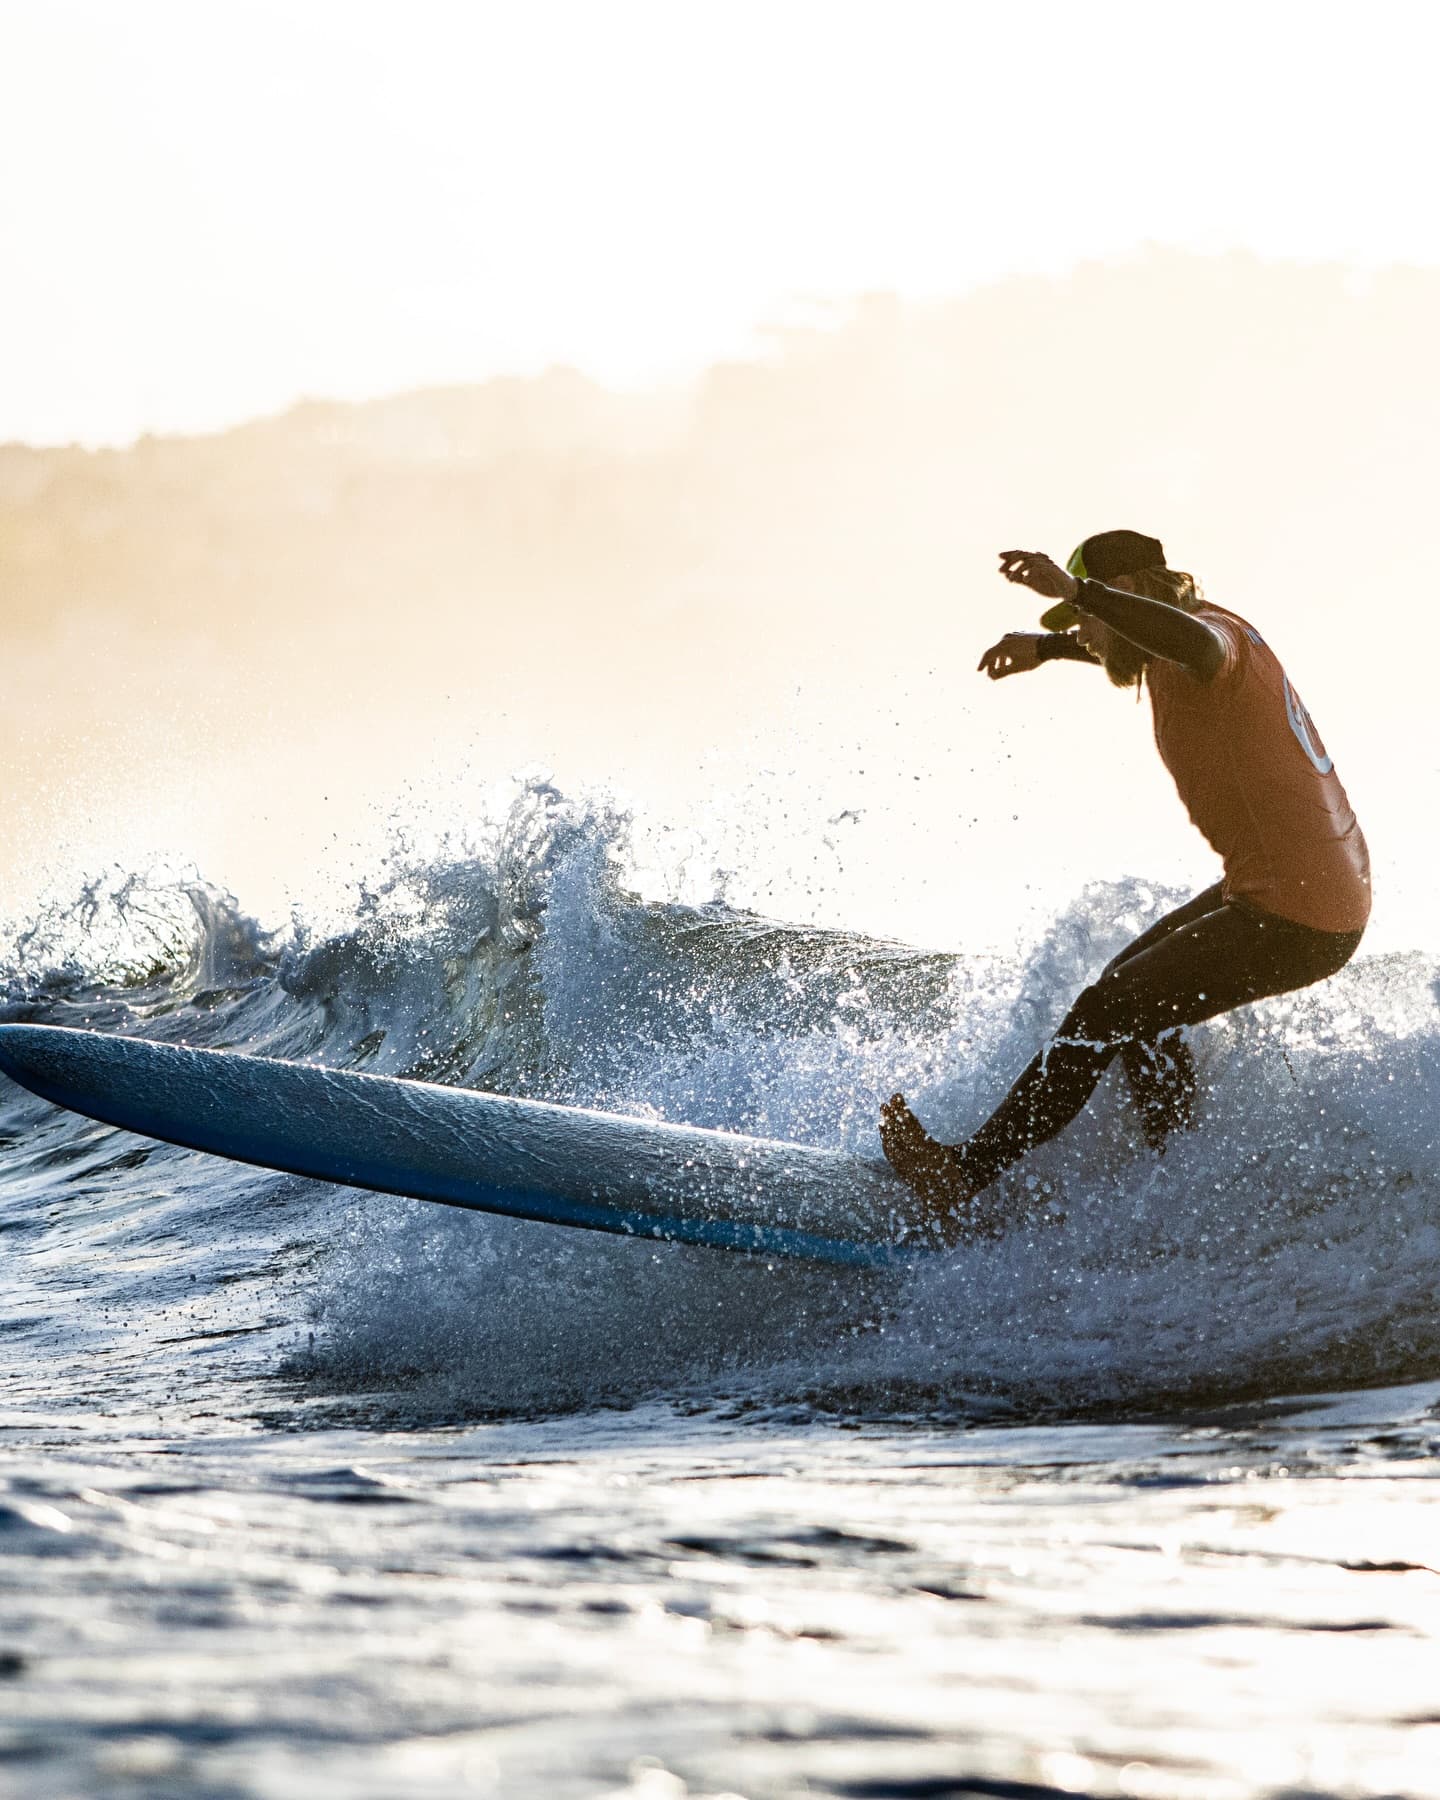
column 1096, row 1017
column 1113, row 1012
column 1110, row 1014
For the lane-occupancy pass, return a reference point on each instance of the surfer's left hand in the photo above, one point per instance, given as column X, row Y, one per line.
column 1038, row 572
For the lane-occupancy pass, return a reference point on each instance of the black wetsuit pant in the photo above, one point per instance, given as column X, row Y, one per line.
column 1204, row 958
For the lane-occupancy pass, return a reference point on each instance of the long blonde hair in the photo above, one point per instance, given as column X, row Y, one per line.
column 1125, row 665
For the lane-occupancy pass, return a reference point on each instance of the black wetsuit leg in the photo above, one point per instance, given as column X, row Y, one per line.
column 1161, row 1075
column 1195, row 964
column 1163, row 1084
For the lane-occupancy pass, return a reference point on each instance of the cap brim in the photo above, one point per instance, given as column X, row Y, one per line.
column 1060, row 617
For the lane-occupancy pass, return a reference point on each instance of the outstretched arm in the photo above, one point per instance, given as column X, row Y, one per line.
column 1157, row 628
column 1162, row 630
column 1059, row 646
column 1020, row 651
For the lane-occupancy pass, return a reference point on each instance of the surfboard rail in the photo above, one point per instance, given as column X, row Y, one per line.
column 496, row 1153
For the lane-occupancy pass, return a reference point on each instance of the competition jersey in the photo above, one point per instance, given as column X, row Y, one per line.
column 1255, row 778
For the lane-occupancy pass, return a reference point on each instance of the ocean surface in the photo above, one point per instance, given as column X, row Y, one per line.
column 308, row 1491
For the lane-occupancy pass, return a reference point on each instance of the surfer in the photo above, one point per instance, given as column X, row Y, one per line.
column 1255, row 778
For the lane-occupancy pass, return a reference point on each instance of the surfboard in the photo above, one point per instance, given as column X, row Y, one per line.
column 493, row 1153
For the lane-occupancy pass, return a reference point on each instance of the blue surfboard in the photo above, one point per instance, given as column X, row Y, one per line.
column 490, row 1152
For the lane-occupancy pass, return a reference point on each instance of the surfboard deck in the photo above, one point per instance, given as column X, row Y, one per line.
column 490, row 1152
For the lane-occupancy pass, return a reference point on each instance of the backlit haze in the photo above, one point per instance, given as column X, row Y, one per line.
column 395, row 398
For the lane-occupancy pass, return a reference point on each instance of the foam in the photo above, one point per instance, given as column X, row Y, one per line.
column 1292, row 1240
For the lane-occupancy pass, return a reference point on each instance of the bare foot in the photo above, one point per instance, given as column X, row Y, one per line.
column 932, row 1169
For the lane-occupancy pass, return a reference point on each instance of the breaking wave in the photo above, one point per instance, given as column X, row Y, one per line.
column 1291, row 1241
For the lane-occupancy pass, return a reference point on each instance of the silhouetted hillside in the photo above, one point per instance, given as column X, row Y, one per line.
column 1259, row 417
column 542, row 567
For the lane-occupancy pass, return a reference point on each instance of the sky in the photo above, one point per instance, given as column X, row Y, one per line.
column 208, row 211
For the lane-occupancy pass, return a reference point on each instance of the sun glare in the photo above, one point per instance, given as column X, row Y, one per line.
column 208, row 212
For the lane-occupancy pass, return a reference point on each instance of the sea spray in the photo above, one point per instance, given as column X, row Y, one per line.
column 1290, row 1240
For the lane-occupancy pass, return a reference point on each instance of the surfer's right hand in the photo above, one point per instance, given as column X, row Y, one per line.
column 1016, row 654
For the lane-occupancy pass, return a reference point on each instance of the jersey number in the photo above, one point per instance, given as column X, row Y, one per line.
column 1304, row 728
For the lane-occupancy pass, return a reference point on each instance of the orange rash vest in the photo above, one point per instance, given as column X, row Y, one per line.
column 1256, row 780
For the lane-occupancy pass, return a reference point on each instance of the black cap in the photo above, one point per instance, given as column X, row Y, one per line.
column 1102, row 558
column 1112, row 553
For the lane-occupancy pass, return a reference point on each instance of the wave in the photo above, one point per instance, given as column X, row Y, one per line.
column 1291, row 1241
